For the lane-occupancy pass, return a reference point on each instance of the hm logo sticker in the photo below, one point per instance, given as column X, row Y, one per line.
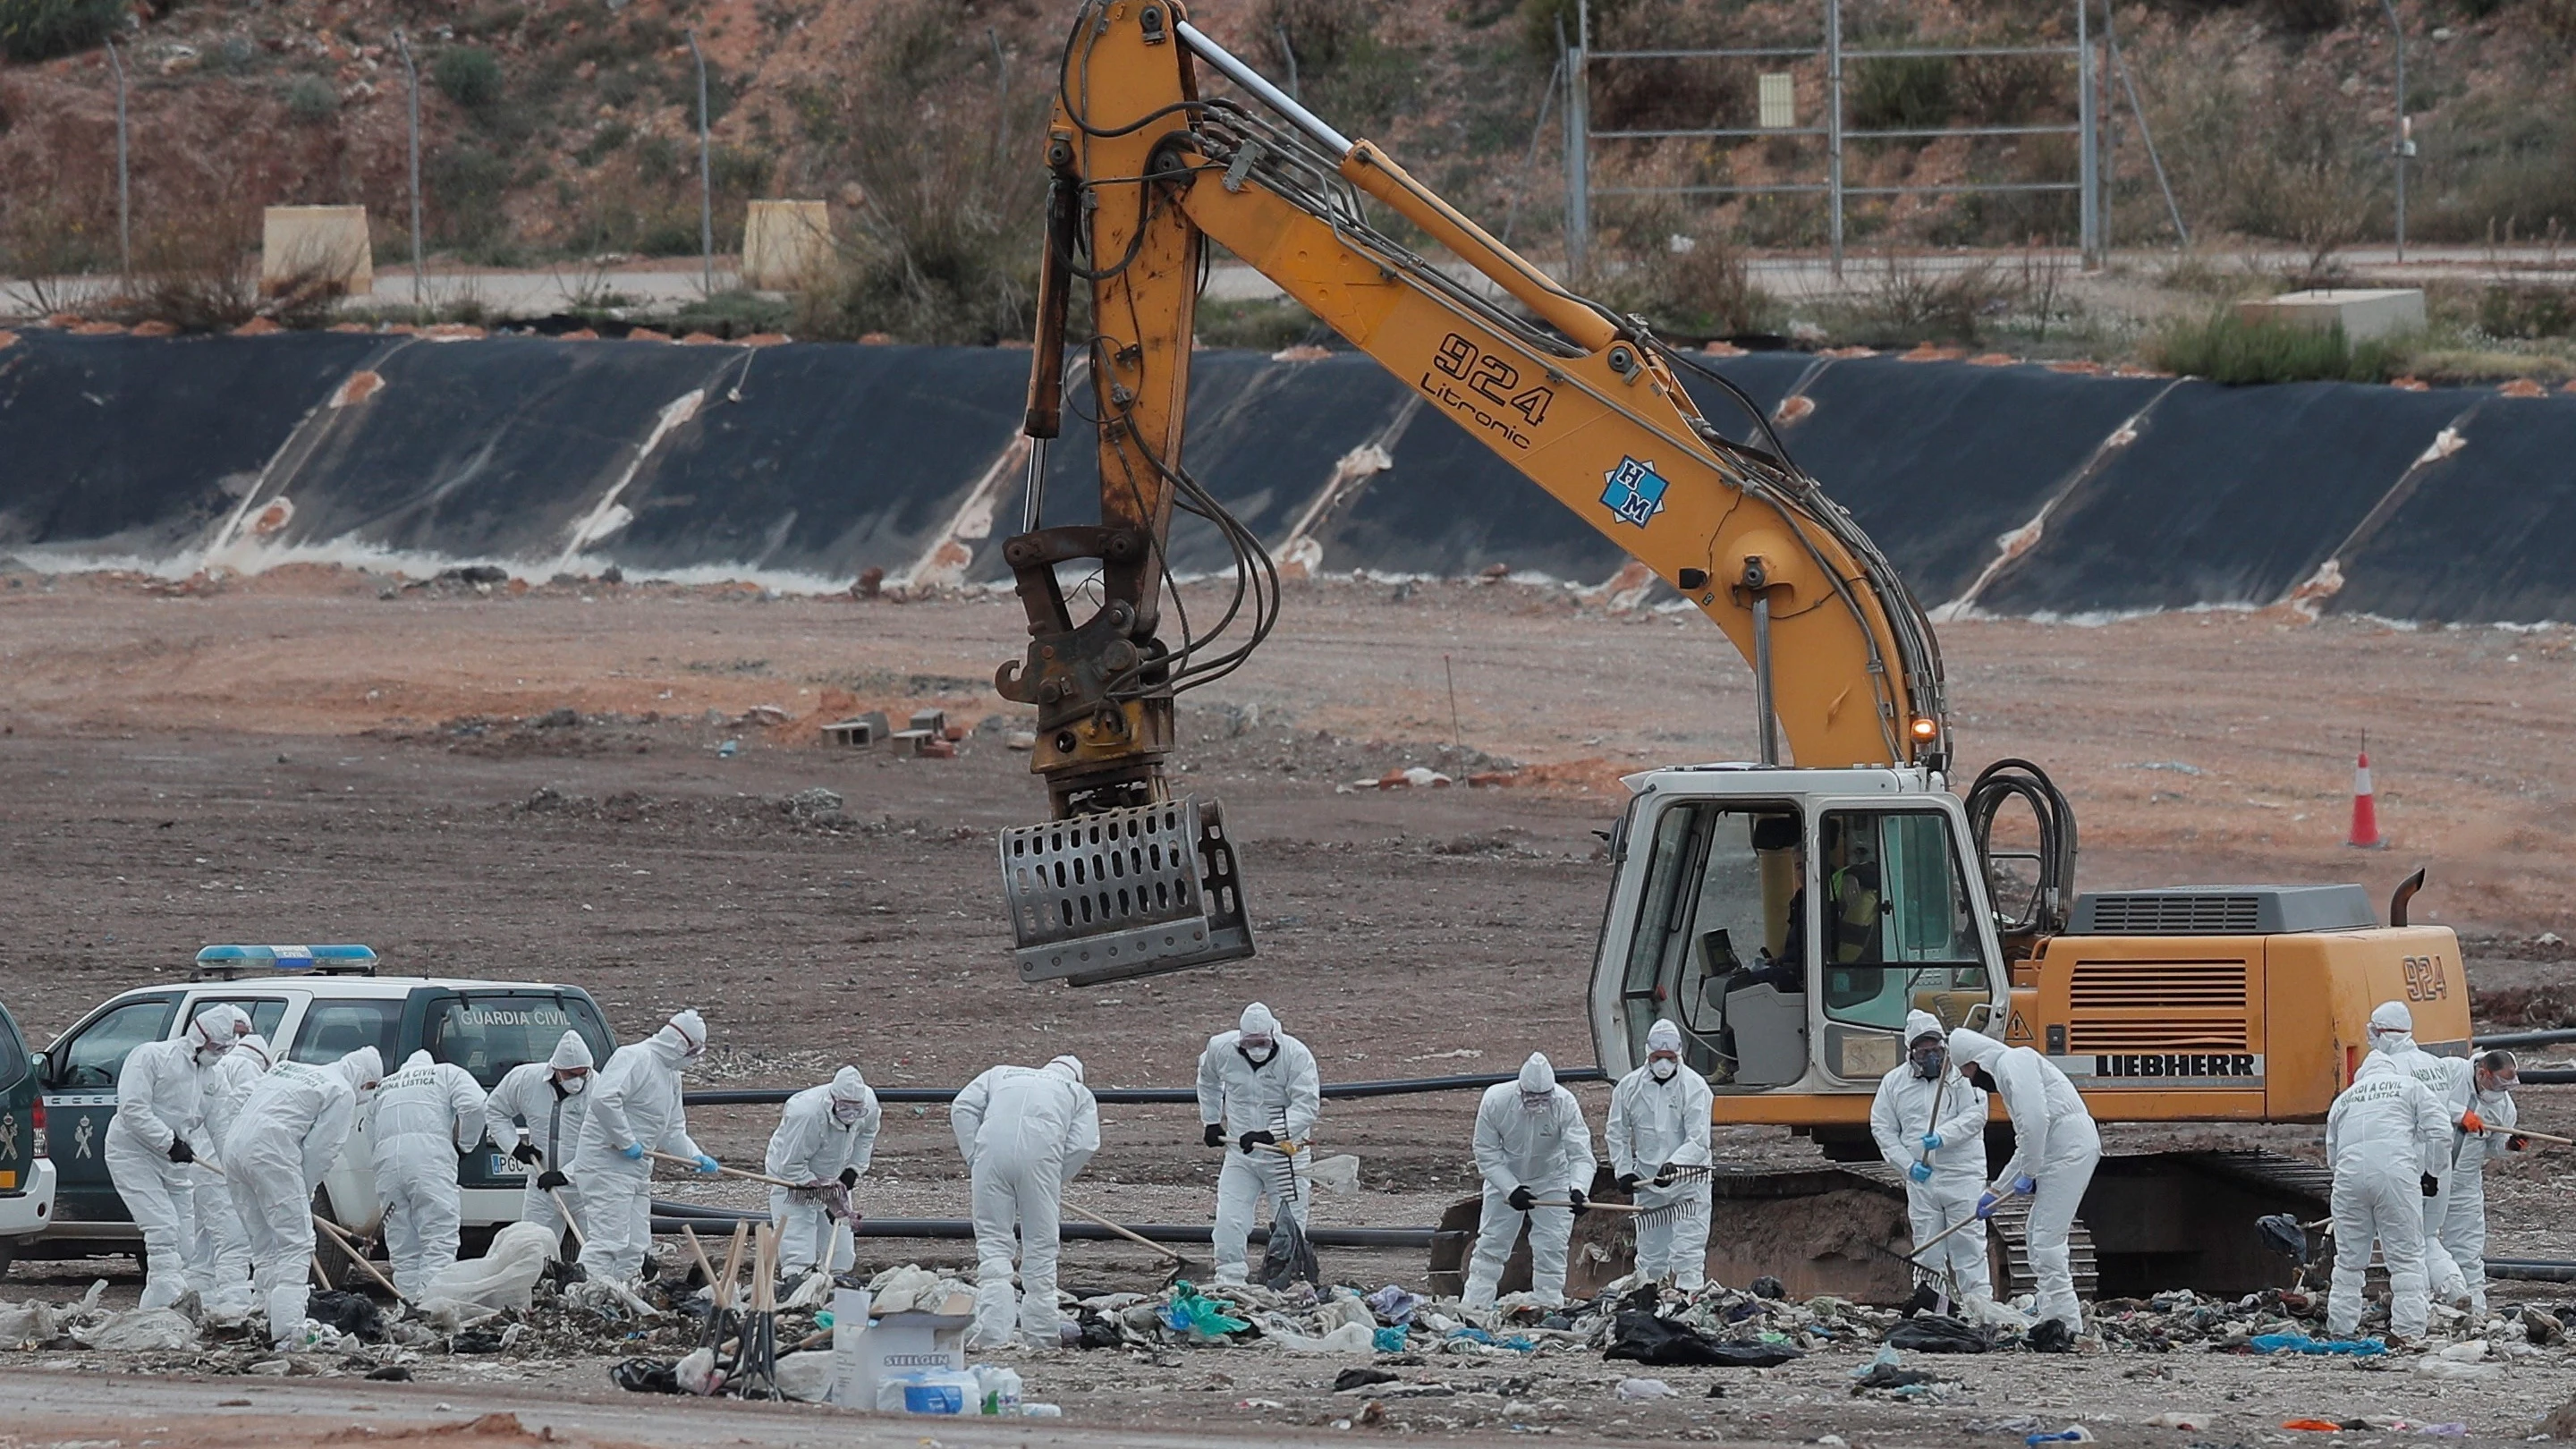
column 1635, row 493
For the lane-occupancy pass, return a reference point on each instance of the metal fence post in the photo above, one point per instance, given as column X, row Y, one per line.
column 1578, row 143
column 2405, row 141
column 402, row 45
column 2088, row 225
column 706, row 183
column 1834, row 131
column 124, row 196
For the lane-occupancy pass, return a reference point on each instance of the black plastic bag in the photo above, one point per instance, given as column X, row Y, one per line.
column 1644, row 1338
column 1930, row 1333
column 646, row 1376
column 354, row 1314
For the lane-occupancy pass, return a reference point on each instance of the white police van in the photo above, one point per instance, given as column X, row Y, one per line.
column 314, row 1004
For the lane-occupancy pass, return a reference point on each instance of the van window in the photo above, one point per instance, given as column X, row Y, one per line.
column 93, row 1058
column 265, row 1012
column 333, row 1029
column 13, row 1054
column 489, row 1032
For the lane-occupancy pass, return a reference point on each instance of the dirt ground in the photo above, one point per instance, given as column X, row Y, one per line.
column 532, row 784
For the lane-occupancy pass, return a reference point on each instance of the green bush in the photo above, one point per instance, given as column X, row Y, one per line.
column 469, row 75
column 310, row 99
column 42, row 29
column 1903, row 93
column 465, row 186
column 2527, row 311
column 2224, row 347
column 1267, row 324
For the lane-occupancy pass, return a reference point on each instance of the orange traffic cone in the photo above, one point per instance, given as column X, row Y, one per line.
column 2365, row 810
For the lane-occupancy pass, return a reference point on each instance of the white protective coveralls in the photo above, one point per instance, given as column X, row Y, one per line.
column 2055, row 1145
column 425, row 1115
column 160, row 1111
column 2383, row 1135
column 1279, row 1095
column 290, row 1128
column 1911, row 1107
column 553, row 1109
column 223, row 1247
column 827, row 1134
column 2464, row 1217
column 1025, row 1133
column 1529, row 1134
column 634, row 1109
column 1654, row 1124
column 2392, row 1035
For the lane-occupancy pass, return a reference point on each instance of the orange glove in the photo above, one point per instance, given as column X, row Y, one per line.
column 2470, row 1121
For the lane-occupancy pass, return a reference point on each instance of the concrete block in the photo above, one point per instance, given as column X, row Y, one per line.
column 297, row 242
column 859, row 731
column 786, row 244
column 2365, row 313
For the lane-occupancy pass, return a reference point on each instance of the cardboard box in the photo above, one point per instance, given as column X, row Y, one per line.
column 867, row 1351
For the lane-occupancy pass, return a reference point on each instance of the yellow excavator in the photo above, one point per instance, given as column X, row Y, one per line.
column 1786, row 916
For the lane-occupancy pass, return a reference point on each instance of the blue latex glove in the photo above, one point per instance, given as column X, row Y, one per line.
column 1920, row 1172
column 1986, row 1204
column 707, row 1165
column 1931, row 1141
column 2025, row 1185
column 632, row 1152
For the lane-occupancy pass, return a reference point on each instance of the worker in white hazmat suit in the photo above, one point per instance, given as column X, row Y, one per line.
column 1534, row 1151
column 634, row 1110
column 425, row 1115
column 223, row 1245
column 551, row 1097
column 289, row 1130
column 1930, row 1124
column 2055, row 1148
column 2384, row 1134
column 825, row 1139
column 2483, row 1116
column 1025, row 1133
column 158, row 1131
column 1259, row 1097
column 2392, row 1035
column 1659, row 1120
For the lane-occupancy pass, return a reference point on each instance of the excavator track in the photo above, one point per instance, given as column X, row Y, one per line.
column 2152, row 1221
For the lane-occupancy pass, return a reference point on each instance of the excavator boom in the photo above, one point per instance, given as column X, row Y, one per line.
column 1145, row 171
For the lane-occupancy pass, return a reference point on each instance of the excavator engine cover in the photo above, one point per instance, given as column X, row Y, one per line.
column 1126, row 892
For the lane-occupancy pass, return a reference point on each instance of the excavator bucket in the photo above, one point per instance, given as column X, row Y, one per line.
column 1128, row 892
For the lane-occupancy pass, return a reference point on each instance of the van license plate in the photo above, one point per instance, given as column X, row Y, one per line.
column 504, row 1165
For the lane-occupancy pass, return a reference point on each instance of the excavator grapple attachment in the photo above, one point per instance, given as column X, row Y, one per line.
column 1126, row 892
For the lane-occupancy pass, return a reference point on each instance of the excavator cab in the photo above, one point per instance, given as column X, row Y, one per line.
column 1787, row 920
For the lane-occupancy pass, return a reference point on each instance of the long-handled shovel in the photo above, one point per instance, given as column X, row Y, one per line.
column 1180, row 1267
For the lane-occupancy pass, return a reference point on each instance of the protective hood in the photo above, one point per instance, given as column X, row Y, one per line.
column 2392, row 1027
column 683, row 1038
column 216, row 1028
column 258, row 1049
column 571, row 1053
column 1257, row 1021
column 362, row 1069
column 1538, row 1075
column 849, row 1086
column 1920, row 1024
column 419, row 1061
column 1663, row 1036
column 1066, row 1066
column 1971, row 1048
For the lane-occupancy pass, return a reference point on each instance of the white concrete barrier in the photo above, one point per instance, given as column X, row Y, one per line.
column 298, row 243
column 2365, row 313
column 786, row 244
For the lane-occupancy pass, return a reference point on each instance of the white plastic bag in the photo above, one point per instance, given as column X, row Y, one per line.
column 505, row 1276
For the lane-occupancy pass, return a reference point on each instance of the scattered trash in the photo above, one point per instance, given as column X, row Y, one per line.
column 1195, row 1316
column 1351, row 1379
column 1388, row 1340
column 2297, row 1342
column 2071, row 1434
column 1642, row 1337
column 2313, row 1426
column 2179, row 1419
column 1638, row 1390
column 139, row 1330
column 1767, row 1286
column 646, row 1376
column 1930, row 1333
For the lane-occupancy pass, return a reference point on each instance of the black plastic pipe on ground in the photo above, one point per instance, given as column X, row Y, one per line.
column 2527, row 1038
column 1158, row 1096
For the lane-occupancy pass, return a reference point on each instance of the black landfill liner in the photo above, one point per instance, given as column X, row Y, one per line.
column 836, row 459
column 2230, row 495
column 141, row 445
column 493, row 449
column 1264, row 437
column 2488, row 533
column 1938, row 461
column 1766, row 377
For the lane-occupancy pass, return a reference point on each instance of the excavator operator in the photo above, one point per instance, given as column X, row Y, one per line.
column 1852, row 897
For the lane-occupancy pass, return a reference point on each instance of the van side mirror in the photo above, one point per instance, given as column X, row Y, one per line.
column 44, row 1063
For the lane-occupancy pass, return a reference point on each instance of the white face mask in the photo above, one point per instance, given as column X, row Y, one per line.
column 1663, row 1068
column 1259, row 1055
column 574, row 1086
column 1537, row 1102
column 846, row 1113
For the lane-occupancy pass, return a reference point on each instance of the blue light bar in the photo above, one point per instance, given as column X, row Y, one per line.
column 287, row 958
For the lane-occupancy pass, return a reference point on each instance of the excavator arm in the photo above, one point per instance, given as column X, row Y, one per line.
column 1585, row 403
